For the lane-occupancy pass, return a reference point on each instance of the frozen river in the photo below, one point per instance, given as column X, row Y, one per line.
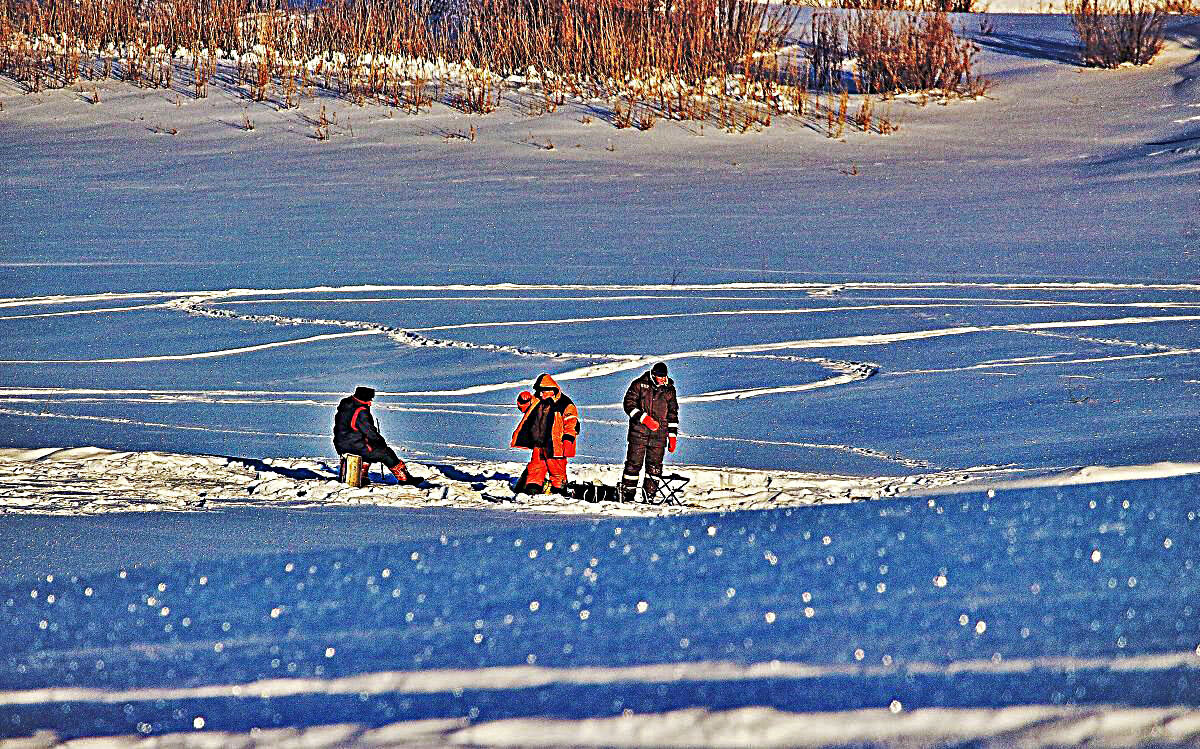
column 1036, row 617
column 860, row 378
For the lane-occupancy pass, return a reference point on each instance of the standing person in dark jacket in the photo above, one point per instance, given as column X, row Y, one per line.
column 548, row 428
column 653, row 411
column 354, row 432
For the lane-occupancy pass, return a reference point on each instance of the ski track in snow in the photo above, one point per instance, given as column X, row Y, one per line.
column 218, row 304
column 201, row 354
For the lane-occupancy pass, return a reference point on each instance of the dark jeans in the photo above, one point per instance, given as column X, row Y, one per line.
column 644, row 449
column 385, row 455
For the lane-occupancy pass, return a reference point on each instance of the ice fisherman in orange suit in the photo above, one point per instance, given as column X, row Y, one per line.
column 549, row 427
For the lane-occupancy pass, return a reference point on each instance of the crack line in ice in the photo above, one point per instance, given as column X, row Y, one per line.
column 198, row 305
column 1106, row 341
column 198, row 396
column 865, row 339
column 973, row 301
column 1055, row 362
column 1030, row 726
column 624, row 297
column 402, row 407
column 807, row 287
column 982, row 304
column 863, row 451
column 524, row 677
column 850, row 371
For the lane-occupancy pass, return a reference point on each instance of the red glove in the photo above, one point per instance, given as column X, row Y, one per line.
column 649, row 422
column 671, row 444
column 568, row 446
column 524, row 399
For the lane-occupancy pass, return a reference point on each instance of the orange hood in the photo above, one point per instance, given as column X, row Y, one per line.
column 545, row 381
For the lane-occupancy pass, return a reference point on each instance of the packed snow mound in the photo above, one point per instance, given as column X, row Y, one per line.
column 92, row 480
column 1025, row 725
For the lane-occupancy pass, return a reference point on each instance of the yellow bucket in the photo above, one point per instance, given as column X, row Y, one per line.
column 351, row 471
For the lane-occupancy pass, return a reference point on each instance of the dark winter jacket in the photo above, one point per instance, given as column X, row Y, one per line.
column 354, row 427
column 644, row 397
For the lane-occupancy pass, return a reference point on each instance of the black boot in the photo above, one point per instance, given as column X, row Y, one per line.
column 519, row 487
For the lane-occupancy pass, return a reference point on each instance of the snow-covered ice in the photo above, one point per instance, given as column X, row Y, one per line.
column 852, row 378
column 1036, row 617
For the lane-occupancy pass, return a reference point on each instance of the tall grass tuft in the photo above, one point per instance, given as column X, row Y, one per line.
column 1116, row 32
column 909, row 51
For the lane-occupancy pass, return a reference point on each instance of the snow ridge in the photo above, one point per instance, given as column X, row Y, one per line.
column 525, row 677
column 93, row 480
column 1032, row 726
column 90, row 480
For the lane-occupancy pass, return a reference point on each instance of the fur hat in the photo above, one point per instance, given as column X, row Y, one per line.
column 364, row 393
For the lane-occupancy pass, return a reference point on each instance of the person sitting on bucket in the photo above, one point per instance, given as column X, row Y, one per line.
column 653, row 411
column 355, row 433
column 549, row 428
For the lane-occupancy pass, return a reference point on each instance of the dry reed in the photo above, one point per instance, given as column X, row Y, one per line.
column 700, row 60
column 1114, row 32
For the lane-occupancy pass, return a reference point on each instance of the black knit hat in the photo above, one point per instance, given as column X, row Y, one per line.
column 364, row 393
column 659, row 370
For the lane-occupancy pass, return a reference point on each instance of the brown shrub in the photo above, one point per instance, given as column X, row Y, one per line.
column 950, row 6
column 1112, row 32
column 909, row 51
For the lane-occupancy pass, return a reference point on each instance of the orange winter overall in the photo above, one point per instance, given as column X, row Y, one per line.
column 548, row 428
